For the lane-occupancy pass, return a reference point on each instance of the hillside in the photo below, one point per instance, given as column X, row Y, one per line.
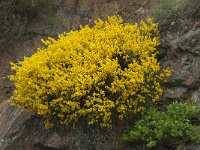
column 179, row 50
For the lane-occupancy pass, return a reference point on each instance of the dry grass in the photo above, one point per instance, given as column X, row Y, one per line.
column 175, row 10
column 15, row 14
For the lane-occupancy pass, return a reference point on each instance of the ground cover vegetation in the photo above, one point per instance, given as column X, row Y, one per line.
column 175, row 126
column 176, row 11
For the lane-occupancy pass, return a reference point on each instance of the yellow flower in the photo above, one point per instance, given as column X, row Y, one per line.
column 92, row 73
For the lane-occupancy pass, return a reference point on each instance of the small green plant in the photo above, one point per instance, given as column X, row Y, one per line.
column 159, row 128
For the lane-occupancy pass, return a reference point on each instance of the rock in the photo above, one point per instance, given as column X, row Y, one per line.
column 82, row 12
column 21, row 130
column 140, row 11
column 175, row 93
column 192, row 147
column 188, row 42
column 184, row 60
column 195, row 96
column 12, row 124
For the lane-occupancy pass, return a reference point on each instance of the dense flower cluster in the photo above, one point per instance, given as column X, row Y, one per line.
column 94, row 73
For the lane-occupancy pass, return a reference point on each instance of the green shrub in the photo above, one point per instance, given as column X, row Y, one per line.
column 15, row 14
column 96, row 73
column 165, row 12
column 173, row 126
column 173, row 10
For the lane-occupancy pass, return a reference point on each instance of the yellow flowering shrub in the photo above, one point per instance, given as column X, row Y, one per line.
column 109, row 70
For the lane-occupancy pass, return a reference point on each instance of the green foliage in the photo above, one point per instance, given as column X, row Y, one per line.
column 165, row 12
column 15, row 14
column 171, row 10
column 172, row 126
column 24, row 7
column 98, row 73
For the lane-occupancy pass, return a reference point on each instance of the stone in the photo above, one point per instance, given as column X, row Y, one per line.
column 195, row 96
column 175, row 93
column 22, row 130
column 192, row 147
column 184, row 60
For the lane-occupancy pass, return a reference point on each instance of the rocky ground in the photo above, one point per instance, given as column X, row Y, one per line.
column 21, row 130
